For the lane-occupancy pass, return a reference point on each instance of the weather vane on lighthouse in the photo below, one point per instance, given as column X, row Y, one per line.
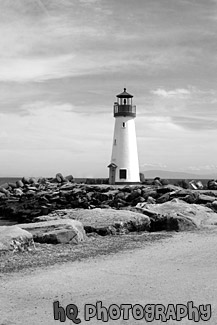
column 124, row 166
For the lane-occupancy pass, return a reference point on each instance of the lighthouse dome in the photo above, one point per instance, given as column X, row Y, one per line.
column 124, row 106
column 124, row 94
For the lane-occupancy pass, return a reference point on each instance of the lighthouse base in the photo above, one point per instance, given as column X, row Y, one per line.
column 127, row 183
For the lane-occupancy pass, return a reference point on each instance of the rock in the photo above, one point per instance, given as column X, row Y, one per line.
column 164, row 182
column 18, row 191
column 58, row 236
column 106, row 188
column 214, row 204
column 192, row 185
column 25, row 180
column 59, row 178
column 172, row 223
column 56, row 231
column 140, row 199
column 168, row 221
column 14, row 238
column 199, row 185
column 183, row 193
column 67, row 187
column 101, row 196
column 206, row 198
column 45, row 209
column 192, row 197
column 42, row 180
column 149, row 192
column 6, row 192
column 12, row 185
column 133, row 195
column 97, row 220
column 163, row 198
column 157, row 181
column 212, row 185
column 118, row 195
column 168, row 188
column 126, row 188
column 32, row 188
column 78, row 191
column 70, row 178
column 104, row 206
column 46, row 195
column 2, row 195
column 188, row 216
column 147, row 182
column 19, row 184
column 32, row 180
column 151, row 200
column 118, row 203
column 113, row 193
column 30, row 193
column 183, row 183
column 4, row 186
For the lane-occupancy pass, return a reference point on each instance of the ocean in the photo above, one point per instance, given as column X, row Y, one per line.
column 9, row 179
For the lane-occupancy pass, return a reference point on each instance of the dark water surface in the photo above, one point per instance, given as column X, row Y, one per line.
column 9, row 179
column 5, row 222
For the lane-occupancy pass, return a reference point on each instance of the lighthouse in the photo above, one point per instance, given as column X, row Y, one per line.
column 124, row 166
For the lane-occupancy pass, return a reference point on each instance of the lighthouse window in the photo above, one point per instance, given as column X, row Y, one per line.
column 124, row 125
column 115, row 142
column 123, row 173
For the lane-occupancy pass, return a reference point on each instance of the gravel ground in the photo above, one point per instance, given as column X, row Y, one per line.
column 178, row 269
column 48, row 254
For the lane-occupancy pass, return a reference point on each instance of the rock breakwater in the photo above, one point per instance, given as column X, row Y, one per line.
column 30, row 198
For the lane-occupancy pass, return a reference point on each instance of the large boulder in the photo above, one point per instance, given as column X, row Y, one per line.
column 212, row 184
column 203, row 198
column 104, row 221
column 14, row 238
column 178, row 215
column 2, row 195
column 56, row 231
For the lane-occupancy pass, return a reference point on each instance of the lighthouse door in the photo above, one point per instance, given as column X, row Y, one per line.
column 112, row 172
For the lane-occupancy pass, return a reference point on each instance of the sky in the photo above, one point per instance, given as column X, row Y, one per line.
column 62, row 63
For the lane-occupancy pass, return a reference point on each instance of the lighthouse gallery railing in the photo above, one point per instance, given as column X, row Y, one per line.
column 124, row 110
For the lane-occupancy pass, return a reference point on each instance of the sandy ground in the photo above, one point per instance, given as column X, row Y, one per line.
column 170, row 271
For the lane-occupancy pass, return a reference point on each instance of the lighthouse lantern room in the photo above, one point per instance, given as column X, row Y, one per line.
column 124, row 166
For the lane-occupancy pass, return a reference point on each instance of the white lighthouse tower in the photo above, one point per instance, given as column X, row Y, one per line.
column 124, row 166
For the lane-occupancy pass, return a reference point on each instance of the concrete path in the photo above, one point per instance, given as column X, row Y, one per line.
column 172, row 271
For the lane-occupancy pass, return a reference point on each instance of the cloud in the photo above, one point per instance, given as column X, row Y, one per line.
column 62, row 62
column 183, row 93
column 77, row 40
column 89, row 3
column 52, row 136
column 36, row 47
column 34, row 69
column 49, row 126
column 41, row 69
column 195, row 123
column 185, row 106
column 177, row 93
